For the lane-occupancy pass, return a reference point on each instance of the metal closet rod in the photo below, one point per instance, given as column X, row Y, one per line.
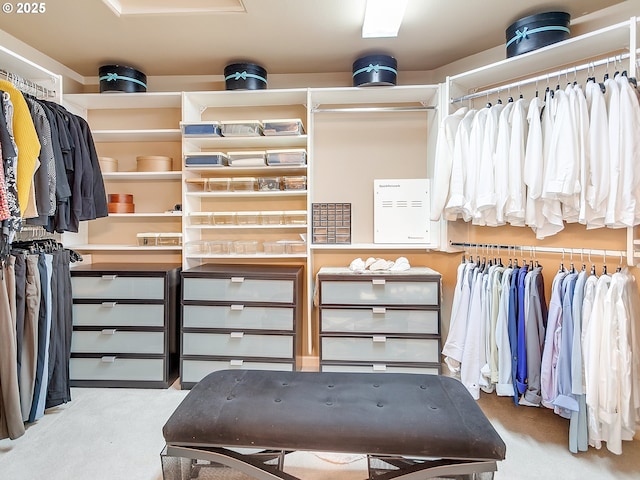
column 373, row 109
column 533, row 249
column 21, row 82
column 539, row 78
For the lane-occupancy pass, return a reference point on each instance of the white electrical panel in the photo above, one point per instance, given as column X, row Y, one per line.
column 401, row 211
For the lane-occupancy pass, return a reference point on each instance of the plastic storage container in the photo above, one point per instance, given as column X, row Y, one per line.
column 148, row 239
column 206, row 159
column 292, row 156
column 295, row 217
column 169, row 239
column 199, row 218
column 245, row 76
column 373, row 70
column 274, row 217
column 121, row 78
column 274, row 248
column 154, row 163
column 536, row 31
column 223, row 218
column 252, row 158
column 245, row 247
column 297, row 182
column 282, row 127
column 220, row 247
column 295, row 247
column 268, row 183
column 201, row 129
column 243, row 184
column 222, row 184
column 241, row 128
column 248, row 218
column 197, row 247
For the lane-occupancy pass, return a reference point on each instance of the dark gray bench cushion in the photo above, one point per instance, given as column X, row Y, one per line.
column 370, row 413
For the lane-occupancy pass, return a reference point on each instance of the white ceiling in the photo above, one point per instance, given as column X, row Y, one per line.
column 285, row 36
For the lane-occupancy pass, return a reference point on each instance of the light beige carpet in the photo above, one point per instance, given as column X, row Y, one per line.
column 107, row 434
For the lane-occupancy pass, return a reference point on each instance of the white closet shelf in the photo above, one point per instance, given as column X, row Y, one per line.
column 574, row 50
column 101, row 101
column 122, row 248
column 247, row 227
column 427, row 95
column 267, row 170
column 253, row 193
column 150, row 135
column 246, row 98
column 257, row 255
column 372, row 246
column 145, row 215
column 274, row 142
column 174, row 175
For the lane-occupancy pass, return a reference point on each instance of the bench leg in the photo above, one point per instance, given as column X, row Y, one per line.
column 387, row 468
column 250, row 464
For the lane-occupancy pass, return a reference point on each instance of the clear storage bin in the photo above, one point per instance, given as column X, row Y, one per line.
column 245, row 247
column 198, row 247
column 274, row 248
column 295, row 247
column 220, row 247
column 199, row 218
column 206, row 159
column 289, row 126
column 298, row 182
column 243, row 184
column 201, row 129
column 274, row 217
column 222, row 184
column 241, row 128
column 291, row 156
column 248, row 218
column 148, row 239
column 251, row 158
column 196, row 184
column 268, row 183
column 169, row 239
column 295, row 217
column 223, row 218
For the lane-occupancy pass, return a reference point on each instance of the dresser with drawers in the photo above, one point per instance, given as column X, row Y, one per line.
column 125, row 325
column 379, row 321
column 240, row 316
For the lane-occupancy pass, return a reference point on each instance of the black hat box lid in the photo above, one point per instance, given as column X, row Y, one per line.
column 121, row 78
column 537, row 31
column 373, row 70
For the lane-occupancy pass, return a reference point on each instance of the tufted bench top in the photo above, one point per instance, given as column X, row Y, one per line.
column 371, row 413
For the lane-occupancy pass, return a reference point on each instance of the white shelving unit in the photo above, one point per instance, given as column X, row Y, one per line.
column 231, row 106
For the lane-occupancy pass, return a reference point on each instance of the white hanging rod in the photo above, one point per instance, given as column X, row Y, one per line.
column 27, row 86
column 373, row 109
column 540, row 78
column 620, row 254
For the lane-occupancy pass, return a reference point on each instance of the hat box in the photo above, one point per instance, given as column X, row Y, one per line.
column 537, row 31
column 154, row 163
column 108, row 164
column 245, row 76
column 375, row 70
column 120, row 78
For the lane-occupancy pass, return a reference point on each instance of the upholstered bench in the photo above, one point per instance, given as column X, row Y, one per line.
column 410, row 426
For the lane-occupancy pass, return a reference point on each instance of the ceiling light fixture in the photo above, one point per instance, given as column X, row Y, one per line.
column 382, row 18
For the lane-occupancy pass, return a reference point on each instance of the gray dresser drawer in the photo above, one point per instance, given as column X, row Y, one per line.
column 238, row 316
column 380, row 349
column 238, row 289
column 379, row 291
column 237, row 345
column 377, row 368
column 379, row 320
column 118, row 287
column 114, row 369
column 113, row 314
column 195, row 370
column 116, row 341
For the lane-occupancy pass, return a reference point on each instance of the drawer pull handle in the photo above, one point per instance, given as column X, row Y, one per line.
column 237, row 307
column 237, row 279
column 379, row 339
column 109, row 304
column 379, row 368
column 236, row 363
column 109, row 359
column 109, row 277
column 378, row 281
column 379, row 310
column 108, row 331
column 236, row 334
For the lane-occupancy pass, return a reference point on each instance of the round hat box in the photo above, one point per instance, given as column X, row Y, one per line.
column 120, row 78
column 154, row 163
column 108, row 164
column 537, row 31
column 373, row 70
column 245, row 76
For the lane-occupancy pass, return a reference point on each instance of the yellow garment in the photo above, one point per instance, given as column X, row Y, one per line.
column 26, row 138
